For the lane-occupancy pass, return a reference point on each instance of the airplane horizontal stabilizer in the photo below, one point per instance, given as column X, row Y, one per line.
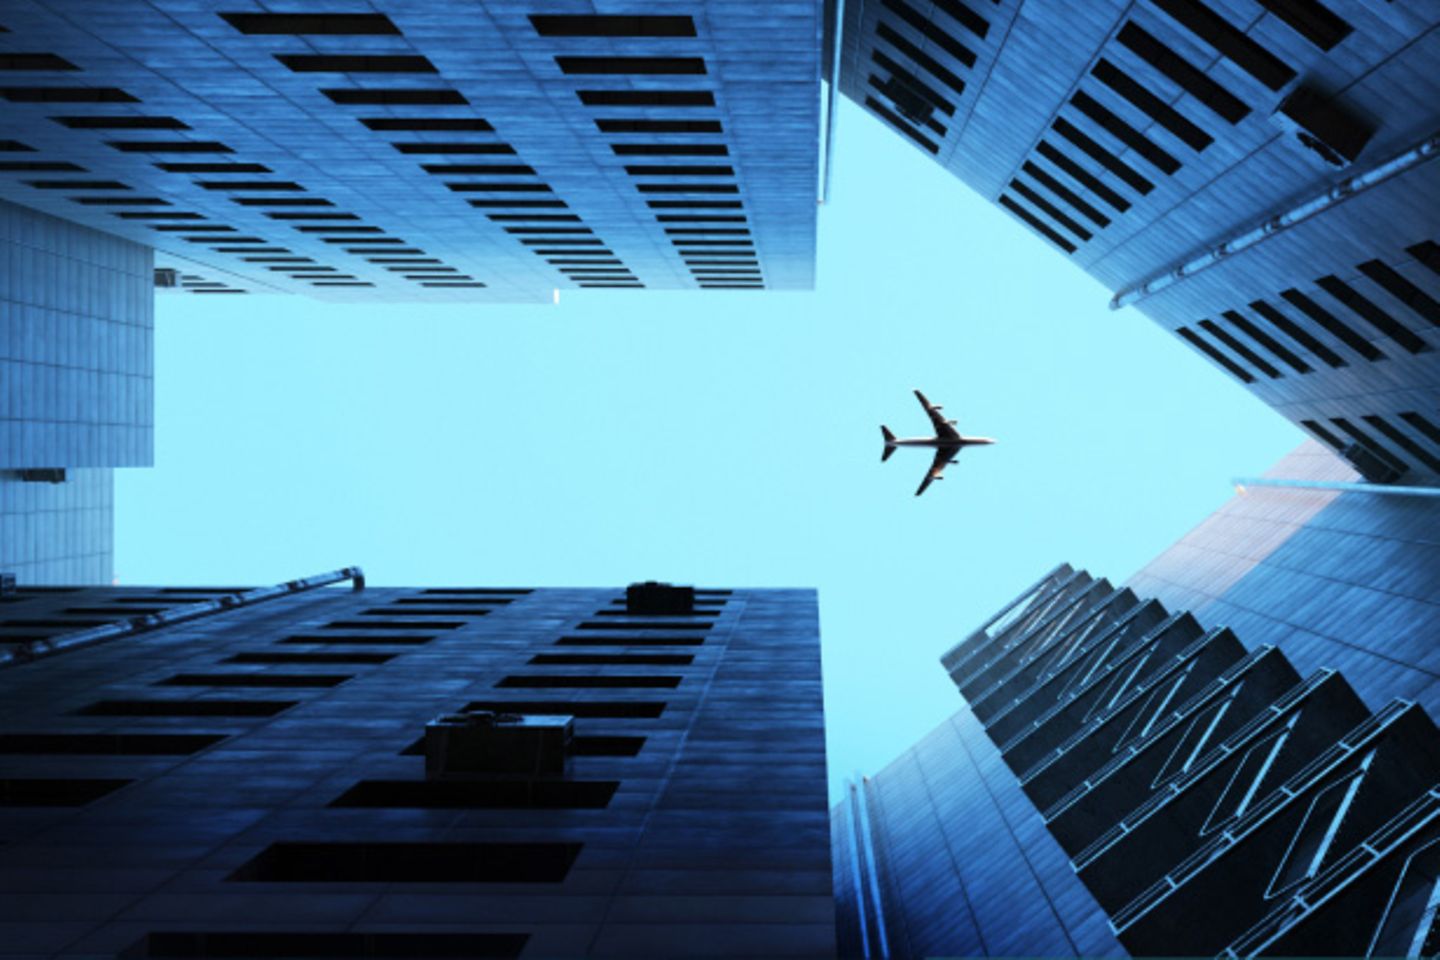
column 889, row 443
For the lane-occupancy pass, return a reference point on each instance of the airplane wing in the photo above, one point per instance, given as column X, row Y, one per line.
column 944, row 456
column 942, row 426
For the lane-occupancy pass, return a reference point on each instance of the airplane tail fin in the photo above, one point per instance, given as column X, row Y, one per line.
column 889, row 443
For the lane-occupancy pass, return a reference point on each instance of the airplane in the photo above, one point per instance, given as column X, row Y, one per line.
column 947, row 442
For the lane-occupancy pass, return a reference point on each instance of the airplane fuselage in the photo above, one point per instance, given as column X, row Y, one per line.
column 938, row 442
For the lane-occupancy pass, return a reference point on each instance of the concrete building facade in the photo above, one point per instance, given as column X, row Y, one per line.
column 1257, row 176
column 243, row 773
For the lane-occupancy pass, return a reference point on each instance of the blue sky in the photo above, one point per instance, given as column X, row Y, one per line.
column 715, row 438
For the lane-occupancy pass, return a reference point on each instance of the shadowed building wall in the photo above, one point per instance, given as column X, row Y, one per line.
column 251, row 783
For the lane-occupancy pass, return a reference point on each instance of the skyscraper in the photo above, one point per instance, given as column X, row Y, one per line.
column 1233, row 752
column 250, row 773
column 1255, row 176
column 438, row 150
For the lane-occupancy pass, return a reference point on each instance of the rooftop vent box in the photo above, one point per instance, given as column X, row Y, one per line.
column 167, row 277
column 7, row 584
column 1370, row 465
column 654, row 597
column 480, row 743
column 1323, row 126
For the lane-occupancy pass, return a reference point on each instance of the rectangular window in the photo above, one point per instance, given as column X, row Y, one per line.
column 1427, row 254
column 401, row 96
column 76, row 184
column 1194, row 340
column 1371, row 313
column 500, row 187
column 630, row 641
column 121, row 123
column 931, row 31
column 1311, row 19
column 1083, row 176
column 529, row 218
column 1430, row 430
column 295, row 945
column 646, row 98
column 34, row 61
column 312, row 216
column 1123, row 132
column 214, row 168
column 108, row 744
column 1267, row 342
column 912, row 83
column 638, row 66
column 1323, row 435
column 242, row 185
column 600, row 25
column 416, row 124
column 1190, row 79
column 299, row 24
column 920, row 58
column 410, row 863
column 1103, row 156
column 588, row 709
column 424, row 147
column 1297, row 333
column 254, row 680
column 1370, row 444
column 479, row 794
column 1403, row 442
column 66, row 95
column 687, row 188
column 1054, row 212
column 263, row 656
column 185, row 708
column 889, row 116
column 694, row 204
column 396, row 624
column 1255, row 360
column 1036, row 223
column 1065, row 193
column 559, row 681
column 1402, row 289
column 670, row 149
column 39, row 166
column 613, row 659
column 168, row 146
column 18, row 792
column 964, row 16
column 1331, row 323
column 626, row 125
column 678, row 170
column 1151, row 105
column 1232, row 43
column 354, row 63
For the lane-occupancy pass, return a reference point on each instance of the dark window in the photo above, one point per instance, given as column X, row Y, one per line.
column 1257, row 361
column 15, row 146
column 683, row 218
column 1323, row 435
column 480, row 169
column 586, row 261
column 1106, row 159
column 670, row 149
column 108, row 744
column 281, row 202
column 532, row 217
column 1371, row 313
column 613, row 659
column 121, row 201
column 621, row 125
column 1194, row 340
column 77, row 184
column 1370, row 443
column 549, row 230
column 1402, row 290
column 920, row 58
column 646, row 66
column 168, row 146
column 705, row 231
column 248, row 185
column 338, row 229
column 396, row 96
column 1331, row 323
column 1232, row 43
column 630, row 641
column 1123, row 132
column 1297, row 333
column 646, row 98
column 39, row 166
column 302, row 946
column 1430, row 430
column 1065, row 193
column 1267, row 342
column 312, row 216
column 480, row 794
column 396, row 624
column 1036, row 223
column 411, row 863
column 1054, row 212
column 931, row 31
column 687, row 188
column 427, row 123
column 1191, row 79
column 1427, row 254
column 254, row 680
column 1311, row 19
column 687, row 170
column 559, row 681
column 694, row 204
column 354, row 63
column 186, row 708
column 912, row 83
column 121, row 123
column 499, row 187
column 886, row 114
column 599, row 25
column 589, row 709
column 1083, row 176
column 17, row 792
column 1151, row 105
column 1403, row 442
column 964, row 16
column 34, row 61
column 127, row 215
column 66, row 95
column 346, row 24
column 214, row 167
